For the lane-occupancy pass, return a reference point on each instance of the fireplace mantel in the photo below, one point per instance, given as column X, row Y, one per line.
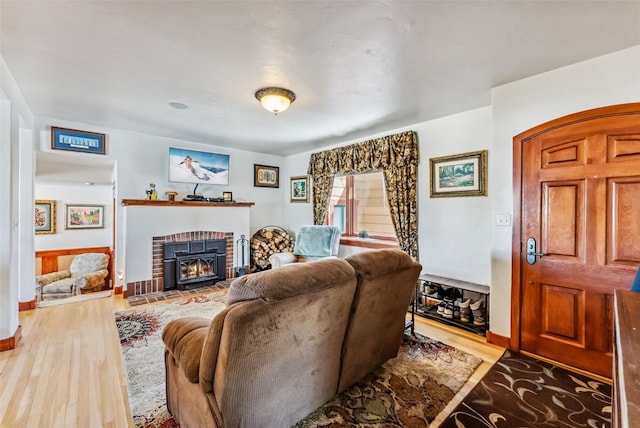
column 163, row 203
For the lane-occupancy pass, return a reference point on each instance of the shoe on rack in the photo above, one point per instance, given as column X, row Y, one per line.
column 441, row 307
column 478, row 313
column 465, row 311
column 456, row 308
column 435, row 291
column 448, row 311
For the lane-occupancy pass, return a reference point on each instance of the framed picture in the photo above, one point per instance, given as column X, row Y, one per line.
column 459, row 175
column 227, row 196
column 84, row 217
column 300, row 188
column 78, row 141
column 193, row 166
column 45, row 217
column 266, row 176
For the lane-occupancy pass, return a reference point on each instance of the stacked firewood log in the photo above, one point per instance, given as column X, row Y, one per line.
column 267, row 241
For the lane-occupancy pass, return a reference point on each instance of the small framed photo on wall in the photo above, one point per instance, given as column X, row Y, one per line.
column 45, row 217
column 84, row 217
column 300, row 188
column 266, row 176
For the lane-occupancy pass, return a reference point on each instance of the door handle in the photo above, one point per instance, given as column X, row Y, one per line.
column 531, row 251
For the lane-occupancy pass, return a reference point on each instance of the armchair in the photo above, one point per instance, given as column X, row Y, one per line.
column 313, row 242
column 86, row 274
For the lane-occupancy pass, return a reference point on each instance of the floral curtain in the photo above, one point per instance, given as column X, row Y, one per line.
column 397, row 157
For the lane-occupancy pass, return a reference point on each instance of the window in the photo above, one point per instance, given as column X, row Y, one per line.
column 359, row 203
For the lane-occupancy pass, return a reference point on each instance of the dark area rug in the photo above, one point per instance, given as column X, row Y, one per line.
column 520, row 391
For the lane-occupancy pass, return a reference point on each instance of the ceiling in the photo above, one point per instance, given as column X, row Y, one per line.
column 358, row 68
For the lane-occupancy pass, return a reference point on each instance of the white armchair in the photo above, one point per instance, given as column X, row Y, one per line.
column 86, row 274
column 312, row 242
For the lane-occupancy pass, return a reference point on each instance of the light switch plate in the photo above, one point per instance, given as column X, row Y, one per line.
column 503, row 219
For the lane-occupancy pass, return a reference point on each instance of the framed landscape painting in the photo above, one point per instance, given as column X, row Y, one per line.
column 84, row 217
column 45, row 217
column 459, row 175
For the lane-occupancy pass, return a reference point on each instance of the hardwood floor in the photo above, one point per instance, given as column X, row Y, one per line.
column 67, row 371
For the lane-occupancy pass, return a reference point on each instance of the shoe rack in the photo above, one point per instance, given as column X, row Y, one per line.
column 432, row 291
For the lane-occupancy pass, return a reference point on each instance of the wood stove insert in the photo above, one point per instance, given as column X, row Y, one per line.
column 192, row 264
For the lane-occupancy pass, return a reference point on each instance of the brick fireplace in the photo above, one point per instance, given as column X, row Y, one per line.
column 156, row 283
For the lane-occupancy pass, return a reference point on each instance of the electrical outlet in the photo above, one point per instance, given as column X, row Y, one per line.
column 503, row 219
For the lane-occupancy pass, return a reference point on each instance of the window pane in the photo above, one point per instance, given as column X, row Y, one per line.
column 340, row 217
column 337, row 213
column 371, row 206
column 359, row 203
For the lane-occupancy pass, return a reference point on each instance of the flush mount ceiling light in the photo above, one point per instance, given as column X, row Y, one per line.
column 276, row 100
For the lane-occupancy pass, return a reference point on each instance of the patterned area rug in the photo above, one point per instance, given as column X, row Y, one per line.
column 140, row 332
column 407, row 391
column 520, row 391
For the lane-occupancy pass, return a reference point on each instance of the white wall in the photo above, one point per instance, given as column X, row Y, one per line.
column 16, row 125
column 75, row 194
column 25, row 260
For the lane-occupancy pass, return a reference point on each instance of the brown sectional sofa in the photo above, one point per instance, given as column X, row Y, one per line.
column 288, row 340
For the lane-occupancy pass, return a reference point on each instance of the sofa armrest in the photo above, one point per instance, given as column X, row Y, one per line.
column 280, row 259
column 48, row 278
column 183, row 339
column 91, row 281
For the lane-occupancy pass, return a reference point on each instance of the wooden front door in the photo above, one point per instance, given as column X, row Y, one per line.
column 579, row 232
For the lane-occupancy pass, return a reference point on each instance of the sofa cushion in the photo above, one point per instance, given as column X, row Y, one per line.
column 290, row 280
column 279, row 359
column 379, row 262
column 386, row 285
column 183, row 338
column 64, row 285
column 48, row 278
column 88, row 262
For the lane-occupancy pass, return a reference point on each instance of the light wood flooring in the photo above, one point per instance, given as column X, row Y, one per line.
column 67, row 371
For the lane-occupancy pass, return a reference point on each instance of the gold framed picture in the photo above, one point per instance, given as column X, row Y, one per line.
column 300, row 188
column 45, row 217
column 459, row 175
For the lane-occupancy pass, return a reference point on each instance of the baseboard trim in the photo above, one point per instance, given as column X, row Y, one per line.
column 498, row 340
column 117, row 289
column 11, row 342
column 27, row 306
